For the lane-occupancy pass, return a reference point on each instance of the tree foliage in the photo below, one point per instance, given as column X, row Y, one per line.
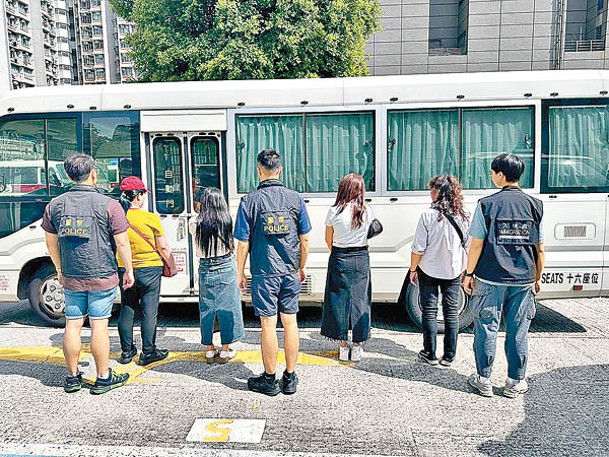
column 249, row 39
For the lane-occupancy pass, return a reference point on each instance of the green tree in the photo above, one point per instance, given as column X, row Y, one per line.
column 249, row 39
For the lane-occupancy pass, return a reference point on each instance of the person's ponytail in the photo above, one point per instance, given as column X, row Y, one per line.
column 127, row 197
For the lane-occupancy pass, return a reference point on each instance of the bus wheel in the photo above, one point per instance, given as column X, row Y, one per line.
column 46, row 296
column 413, row 308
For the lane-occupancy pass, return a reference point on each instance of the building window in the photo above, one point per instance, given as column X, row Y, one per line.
column 586, row 28
column 448, row 23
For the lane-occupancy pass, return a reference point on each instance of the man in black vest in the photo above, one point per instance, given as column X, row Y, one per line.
column 84, row 229
column 273, row 225
column 506, row 258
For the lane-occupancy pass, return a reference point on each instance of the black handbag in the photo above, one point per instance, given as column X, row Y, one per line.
column 376, row 228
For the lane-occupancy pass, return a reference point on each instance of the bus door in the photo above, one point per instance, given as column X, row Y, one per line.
column 169, row 180
column 205, row 171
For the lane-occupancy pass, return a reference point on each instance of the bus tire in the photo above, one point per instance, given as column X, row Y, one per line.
column 46, row 296
column 413, row 308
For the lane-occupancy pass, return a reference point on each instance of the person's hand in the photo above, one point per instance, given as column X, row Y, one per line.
column 128, row 279
column 414, row 278
column 303, row 274
column 60, row 278
column 537, row 287
column 242, row 282
column 468, row 284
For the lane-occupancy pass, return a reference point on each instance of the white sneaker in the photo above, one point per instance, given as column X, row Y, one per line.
column 210, row 356
column 512, row 390
column 343, row 353
column 484, row 388
column 356, row 353
column 225, row 356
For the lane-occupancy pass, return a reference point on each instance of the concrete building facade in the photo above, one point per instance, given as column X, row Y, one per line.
column 440, row 36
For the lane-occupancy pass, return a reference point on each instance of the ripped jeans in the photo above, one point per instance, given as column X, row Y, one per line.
column 517, row 304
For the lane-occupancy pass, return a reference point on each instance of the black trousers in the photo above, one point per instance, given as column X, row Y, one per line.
column 428, row 298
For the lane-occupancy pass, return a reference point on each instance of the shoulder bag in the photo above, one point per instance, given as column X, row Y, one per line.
column 376, row 228
column 169, row 266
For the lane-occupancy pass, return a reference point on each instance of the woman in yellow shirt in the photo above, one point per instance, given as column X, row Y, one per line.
column 148, row 244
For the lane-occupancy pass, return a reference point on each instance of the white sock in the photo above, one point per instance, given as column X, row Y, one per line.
column 513, row 382
column 484, row 380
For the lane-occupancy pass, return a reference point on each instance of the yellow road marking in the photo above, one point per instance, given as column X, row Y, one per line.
column 54, row 356
column 218, row 434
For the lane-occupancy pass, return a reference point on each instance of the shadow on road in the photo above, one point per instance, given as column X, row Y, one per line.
column 567, row 414
column 385, row 316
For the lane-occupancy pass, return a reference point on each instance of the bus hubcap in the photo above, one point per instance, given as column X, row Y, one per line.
column 52, row 300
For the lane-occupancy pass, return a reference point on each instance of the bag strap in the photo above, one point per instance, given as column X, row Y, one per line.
column 145, row 239
column 457, row 228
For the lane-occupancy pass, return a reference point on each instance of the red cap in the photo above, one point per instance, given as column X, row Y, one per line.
column 133, row 183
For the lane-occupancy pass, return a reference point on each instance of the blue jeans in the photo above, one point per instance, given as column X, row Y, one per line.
column 145, row 293
column 518, row 306
column 219, row 297
column 348, row 296
column 428, row 297
column 96, row 303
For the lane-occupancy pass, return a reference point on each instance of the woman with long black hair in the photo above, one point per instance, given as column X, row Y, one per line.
column 438, row 259
column 219, row 296
column 348, row 296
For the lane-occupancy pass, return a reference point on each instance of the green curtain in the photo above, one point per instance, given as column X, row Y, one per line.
column 338, row 144
column 421, row 145
column 489, row 132
column 282, row 133
column 578, row 153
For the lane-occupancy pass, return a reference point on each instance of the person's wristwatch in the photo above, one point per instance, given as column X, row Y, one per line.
column 469, row 275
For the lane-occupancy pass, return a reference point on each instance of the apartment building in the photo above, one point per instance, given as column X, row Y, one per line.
column 52, row 42
column 440, row 36
column 101, row 49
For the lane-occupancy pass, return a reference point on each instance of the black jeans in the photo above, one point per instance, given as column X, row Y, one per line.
column 145, row 293
column 428, row 297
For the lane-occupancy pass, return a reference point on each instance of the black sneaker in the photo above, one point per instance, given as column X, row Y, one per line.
column 428, row 358
column 113, row 381
column 127, row 356
column 447, row 361
column 158, row 354
column 264, row 385
column 289, row 383
column 73, row 383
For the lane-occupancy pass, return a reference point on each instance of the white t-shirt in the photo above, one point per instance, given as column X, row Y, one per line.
column 345, row 236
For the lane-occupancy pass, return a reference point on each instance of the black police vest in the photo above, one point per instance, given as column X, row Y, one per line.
column 86, row 243
column 512, row 221
column 274, row 242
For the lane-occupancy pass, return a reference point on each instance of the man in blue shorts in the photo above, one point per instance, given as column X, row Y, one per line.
column 83, row 231
column 273, row 225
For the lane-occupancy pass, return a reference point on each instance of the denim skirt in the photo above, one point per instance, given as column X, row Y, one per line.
column 348, row 296
column 219, row 298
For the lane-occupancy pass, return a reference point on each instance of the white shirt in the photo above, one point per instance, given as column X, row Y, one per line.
column 192, row 228
column 439, row 244
column 345, row 236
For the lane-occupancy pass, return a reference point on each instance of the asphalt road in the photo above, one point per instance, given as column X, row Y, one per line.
column 388, row 404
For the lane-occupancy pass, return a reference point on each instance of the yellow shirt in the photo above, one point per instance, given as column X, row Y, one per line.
column 149, row 225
